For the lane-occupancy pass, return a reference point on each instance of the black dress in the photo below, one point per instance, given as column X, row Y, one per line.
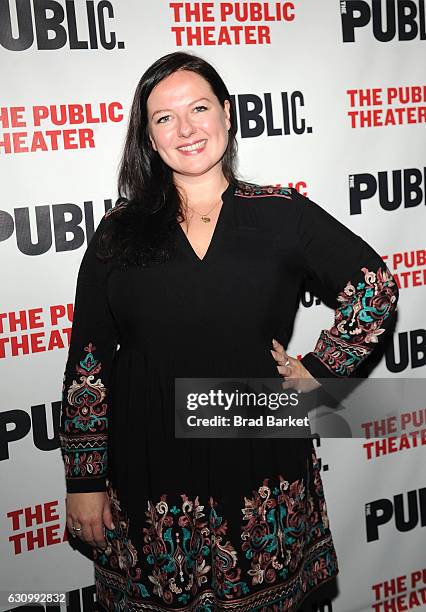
column 212, row 524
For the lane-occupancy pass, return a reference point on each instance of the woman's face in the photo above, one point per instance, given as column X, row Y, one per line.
column 186, row 123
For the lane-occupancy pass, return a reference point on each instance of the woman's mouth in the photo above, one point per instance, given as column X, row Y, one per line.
column 193, row 149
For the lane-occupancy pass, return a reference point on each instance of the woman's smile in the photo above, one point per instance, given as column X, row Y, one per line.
column 193, row 149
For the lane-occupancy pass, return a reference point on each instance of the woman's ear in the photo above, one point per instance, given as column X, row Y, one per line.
column 227, row 110
column 152, row 142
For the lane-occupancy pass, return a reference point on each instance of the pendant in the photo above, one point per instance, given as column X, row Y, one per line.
column 205, row 219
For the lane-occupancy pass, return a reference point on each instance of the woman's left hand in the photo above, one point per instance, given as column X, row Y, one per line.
column 295, row 374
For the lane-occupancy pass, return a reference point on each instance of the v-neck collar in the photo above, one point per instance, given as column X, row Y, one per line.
column 226, row 196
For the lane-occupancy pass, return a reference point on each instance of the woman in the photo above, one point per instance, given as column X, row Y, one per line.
column 195, row 273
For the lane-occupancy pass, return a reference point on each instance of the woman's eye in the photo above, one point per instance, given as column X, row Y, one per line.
column 166, row 117
column 163, row 117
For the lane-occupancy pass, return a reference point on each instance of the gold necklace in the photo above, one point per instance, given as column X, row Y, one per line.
column 205, row 218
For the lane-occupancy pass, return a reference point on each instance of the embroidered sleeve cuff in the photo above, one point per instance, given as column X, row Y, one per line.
column 316, row 367
column 367, row 308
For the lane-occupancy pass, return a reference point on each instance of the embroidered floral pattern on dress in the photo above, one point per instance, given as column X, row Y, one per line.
column 226, row 573
column 273, row 536
column 184, row 548
column 317, row 523
column 248, row 190
column 84, row 434
column 177, row 545
column 189, row 564
column 120, row 556
column 358, row 320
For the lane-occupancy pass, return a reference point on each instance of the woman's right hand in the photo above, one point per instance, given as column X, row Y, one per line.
column 91, row 512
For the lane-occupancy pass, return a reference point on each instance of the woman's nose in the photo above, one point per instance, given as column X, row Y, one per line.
column 185, row 127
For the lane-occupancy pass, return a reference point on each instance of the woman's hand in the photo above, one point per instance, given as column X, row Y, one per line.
column 292, row 370
column 89, row 512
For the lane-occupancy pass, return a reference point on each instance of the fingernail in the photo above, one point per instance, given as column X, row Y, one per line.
column 274, row 341
column 112, row 526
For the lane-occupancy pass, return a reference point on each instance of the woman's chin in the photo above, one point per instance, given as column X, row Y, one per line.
column 195, row 169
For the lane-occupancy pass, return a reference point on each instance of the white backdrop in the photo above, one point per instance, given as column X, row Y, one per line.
column 355, row 76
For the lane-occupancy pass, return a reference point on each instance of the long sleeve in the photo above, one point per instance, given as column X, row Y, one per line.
column 86, row 384
column 362, row 286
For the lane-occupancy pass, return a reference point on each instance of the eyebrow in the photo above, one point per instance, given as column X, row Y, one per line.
column 163, row 110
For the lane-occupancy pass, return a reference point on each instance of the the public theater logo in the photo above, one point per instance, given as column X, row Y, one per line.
column 386, row 107
column 35, row 330
column 407, row 267
column 65, row 227
column 45, row 128
column 386, row 21
column 394, row 434
column 271, row 114
column 35, row 527
column 228, row 23
column 39, row 421
column 403, row 592
column 403, row 512
column 407, row 350
column 49, row 25
column 400, row 188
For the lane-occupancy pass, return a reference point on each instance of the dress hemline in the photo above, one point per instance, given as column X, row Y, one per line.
column 272, row 599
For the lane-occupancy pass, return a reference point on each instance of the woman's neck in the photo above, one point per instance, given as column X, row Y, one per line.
column 201, row 190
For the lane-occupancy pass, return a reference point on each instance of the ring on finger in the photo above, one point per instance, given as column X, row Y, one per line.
column 73, row 530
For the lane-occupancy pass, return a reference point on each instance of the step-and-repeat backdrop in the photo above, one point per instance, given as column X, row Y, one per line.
column 330, row 99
